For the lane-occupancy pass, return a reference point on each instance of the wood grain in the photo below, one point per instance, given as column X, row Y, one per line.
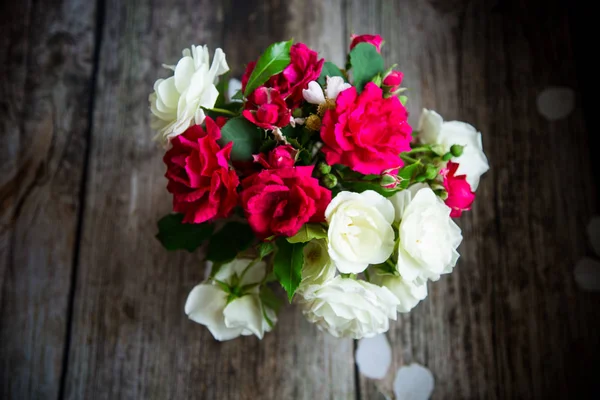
column 45, row 75
column 509, row 322
column 131, row 338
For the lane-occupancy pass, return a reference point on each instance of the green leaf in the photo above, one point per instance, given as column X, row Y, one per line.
column 329, row 69
column 407, row 174
column 403, row 99
column 287, row 265
column 246, row 138
column 366, row 64
column 175, row 235
column 238, row 95
column 371, row 177
column 267, row 145
column 264, row 249
column 307, row 233
column 274, row 60
column 229, row 241
column 361, row 186
column 222, row 86
column 270, row 299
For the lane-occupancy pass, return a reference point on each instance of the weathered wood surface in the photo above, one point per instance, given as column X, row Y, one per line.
column 46, row 52
column 508, row 323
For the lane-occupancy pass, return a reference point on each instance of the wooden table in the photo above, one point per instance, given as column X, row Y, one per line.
column 91, row 306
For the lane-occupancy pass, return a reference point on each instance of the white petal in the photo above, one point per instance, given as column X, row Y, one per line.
column 374, row 356
column 593, row 231
column 383, row 205
column 245, row 312
column 587, row 274
column 430, row 125
column 335, row 85
column 183, row 73
column 167, row 92
column 209, row 97
column 199, row 116
column 205, row 305
column 219, row 65
column 235, row 85
column 314, row 93
column 413, row 382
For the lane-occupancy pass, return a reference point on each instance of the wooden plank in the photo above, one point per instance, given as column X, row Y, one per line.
column 509, row 322
column 45, row 75
column 131, row 338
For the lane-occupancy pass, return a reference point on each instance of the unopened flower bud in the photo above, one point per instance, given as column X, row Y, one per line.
column 438, row 149
column 313, row 122
column 421, row 178
column 447, row 156
column 297, row 113
column 323, row 168
column 456, row 150
column 431, row 172
column 388, row 181
column 329, row 181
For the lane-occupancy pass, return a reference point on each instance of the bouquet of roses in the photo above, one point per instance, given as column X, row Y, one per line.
column 309, row 177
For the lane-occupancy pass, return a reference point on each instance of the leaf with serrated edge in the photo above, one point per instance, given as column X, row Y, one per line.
column 366, row 63
column 245, row 136
column 287, row 265
column 273, row 61
column 175, row 235
column 307, row 233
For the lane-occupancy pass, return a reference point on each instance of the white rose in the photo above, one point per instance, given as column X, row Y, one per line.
column 227, row 318
column 176, row 102
column 428, row 236
column 409, row 293
column 318, row 267
column 473, row 163
column 350, row 308
column 360, row 231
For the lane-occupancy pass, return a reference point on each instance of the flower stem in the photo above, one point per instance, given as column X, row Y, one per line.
column 223, row 111
column 419, row 149
column 406, row 157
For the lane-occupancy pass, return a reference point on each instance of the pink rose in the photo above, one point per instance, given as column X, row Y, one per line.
column 279, row 201
column 393, row 80
column 267, row 109
column 375, row 40
column 366, row 132
column 460, row 195
column 202, row 184
column 304, row 67
column 280, row 157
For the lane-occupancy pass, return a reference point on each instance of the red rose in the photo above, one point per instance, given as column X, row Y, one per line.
column 460, row 195
column 366, row 132
column 393, row 80
column 279, row 201
column 202, row 184
column 304, row 67
column 221, row 121
column 280, row 157
column 375, row 40
column 267, row 109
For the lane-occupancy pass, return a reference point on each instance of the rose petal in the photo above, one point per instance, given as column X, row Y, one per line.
column 374, row 356
column 587, row 274
column 413, row 382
